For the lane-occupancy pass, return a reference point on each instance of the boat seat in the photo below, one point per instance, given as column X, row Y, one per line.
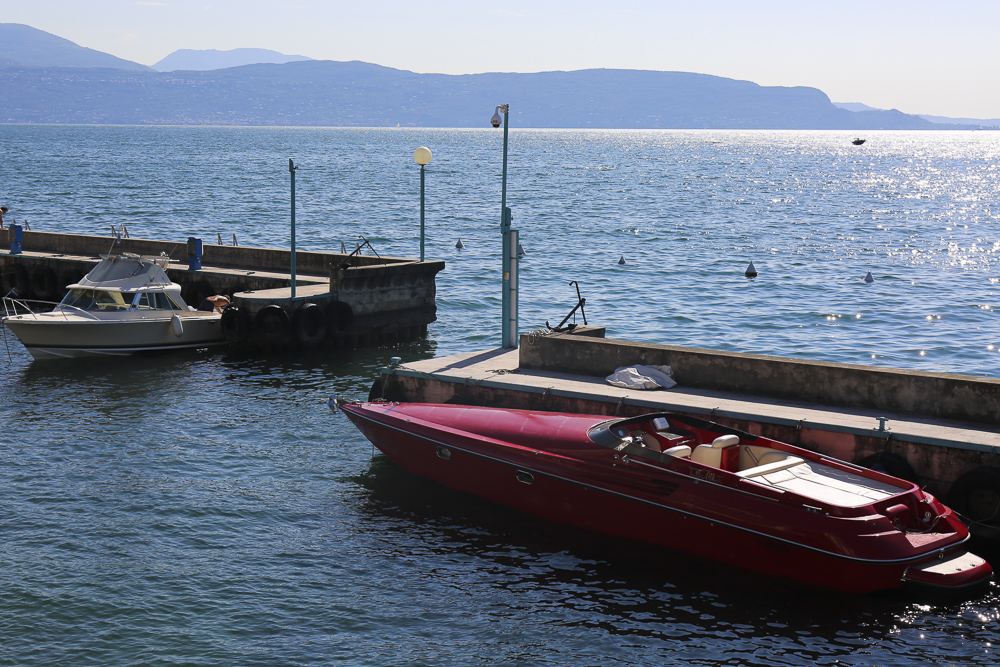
column 712, row 454
column 768, row 468
column 680, row 452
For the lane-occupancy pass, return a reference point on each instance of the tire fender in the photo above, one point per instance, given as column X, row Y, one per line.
column 236, row 325
column 976, row 497
column 15, row 281
column 270, row 324
column 309, row 325
column 44, row 283
column 890, row 464
column 339, row 317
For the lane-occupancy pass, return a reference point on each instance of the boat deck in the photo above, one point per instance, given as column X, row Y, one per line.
column 827, row 485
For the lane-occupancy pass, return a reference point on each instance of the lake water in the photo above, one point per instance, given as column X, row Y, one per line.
column 207, row 509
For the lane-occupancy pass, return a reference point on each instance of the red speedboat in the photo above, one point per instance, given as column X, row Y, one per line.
column 690, row 485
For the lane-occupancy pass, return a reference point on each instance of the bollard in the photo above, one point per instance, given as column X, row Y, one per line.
column 194, row 254
column 16, row 238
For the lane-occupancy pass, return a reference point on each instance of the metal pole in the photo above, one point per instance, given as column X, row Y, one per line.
column 505, row 240
column 291, row 170
column 421, row 213
column 512, row 288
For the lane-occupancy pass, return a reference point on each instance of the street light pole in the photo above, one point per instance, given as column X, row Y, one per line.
column 509, row 289
column 422, row 156
column 291, row 170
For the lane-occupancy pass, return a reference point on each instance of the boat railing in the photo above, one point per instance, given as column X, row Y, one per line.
column 34, row 307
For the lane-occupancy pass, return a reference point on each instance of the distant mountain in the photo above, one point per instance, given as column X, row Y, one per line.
column 855, row 106
column 24, row 45
column 968, row 123
column 986, row 123
column 47, row 79
column 326, row 93
column 209, row 59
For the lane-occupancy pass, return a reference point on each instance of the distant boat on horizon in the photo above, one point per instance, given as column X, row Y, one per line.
column 858, row 142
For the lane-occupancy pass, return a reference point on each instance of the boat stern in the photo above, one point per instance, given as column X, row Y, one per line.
column 958, row 570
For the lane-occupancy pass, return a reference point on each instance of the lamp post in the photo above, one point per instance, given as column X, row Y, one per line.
column 422, row 156
column 291, row 170
column 509, row 242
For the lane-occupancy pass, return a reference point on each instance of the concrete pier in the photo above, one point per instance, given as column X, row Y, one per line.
column 911, row 424
column 340, row 299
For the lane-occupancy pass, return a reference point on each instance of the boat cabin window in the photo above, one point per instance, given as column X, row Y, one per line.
column 91, row 299
column 155, row 301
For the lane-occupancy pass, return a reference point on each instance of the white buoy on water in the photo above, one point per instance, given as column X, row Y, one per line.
column 869, row 278
column 621, row 260
column 520, row 250
column 751, row 271
column 460, row 245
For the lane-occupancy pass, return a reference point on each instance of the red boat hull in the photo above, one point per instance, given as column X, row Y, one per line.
column 544, row 464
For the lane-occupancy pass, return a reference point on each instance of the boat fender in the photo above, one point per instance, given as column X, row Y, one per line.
column 976, row 497
column 377, row 390
column 309, row 325
column 176, row 325
column 236, row 325
column 339, row 317
column 44, row 283
column 270, row 325
column 890, row 464
column 15, row 281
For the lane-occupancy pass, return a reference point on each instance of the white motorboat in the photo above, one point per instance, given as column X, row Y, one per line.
column 126, row 304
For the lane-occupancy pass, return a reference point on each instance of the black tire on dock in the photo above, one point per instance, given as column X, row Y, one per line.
column 197, row 292
column 236, row 325
column 69, row 277
column 890, row 464
column 339, row 317
column 45, row 284
column 270, row 325
column 309, row 325
column 15, row 281
column 976, row 497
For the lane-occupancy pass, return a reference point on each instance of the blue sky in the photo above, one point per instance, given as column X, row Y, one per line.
column 917, row 56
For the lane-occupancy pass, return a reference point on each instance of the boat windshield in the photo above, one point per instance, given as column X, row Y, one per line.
column 650, row 436
column 95, row 299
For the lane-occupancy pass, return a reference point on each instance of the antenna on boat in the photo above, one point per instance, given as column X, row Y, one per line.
column 117, row 238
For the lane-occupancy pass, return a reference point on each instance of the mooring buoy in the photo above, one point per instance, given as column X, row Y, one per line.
column 869, row 278
column 460, row 245
column 621, row 260
column 751, row 271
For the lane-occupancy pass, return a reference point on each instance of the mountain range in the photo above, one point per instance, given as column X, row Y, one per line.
column 47, row 79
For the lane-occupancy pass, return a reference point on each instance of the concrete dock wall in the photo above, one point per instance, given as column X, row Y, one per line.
column 937, row 395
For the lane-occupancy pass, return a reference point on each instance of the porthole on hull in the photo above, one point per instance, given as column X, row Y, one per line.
column 443, row 453
column 524, row 477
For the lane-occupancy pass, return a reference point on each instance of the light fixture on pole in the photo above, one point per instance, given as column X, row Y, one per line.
column 509, row 237
column 422, row 156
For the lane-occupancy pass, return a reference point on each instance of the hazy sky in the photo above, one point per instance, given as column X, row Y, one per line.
column 917, row 56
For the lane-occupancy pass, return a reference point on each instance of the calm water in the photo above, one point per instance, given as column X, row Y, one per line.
column 208, row 509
